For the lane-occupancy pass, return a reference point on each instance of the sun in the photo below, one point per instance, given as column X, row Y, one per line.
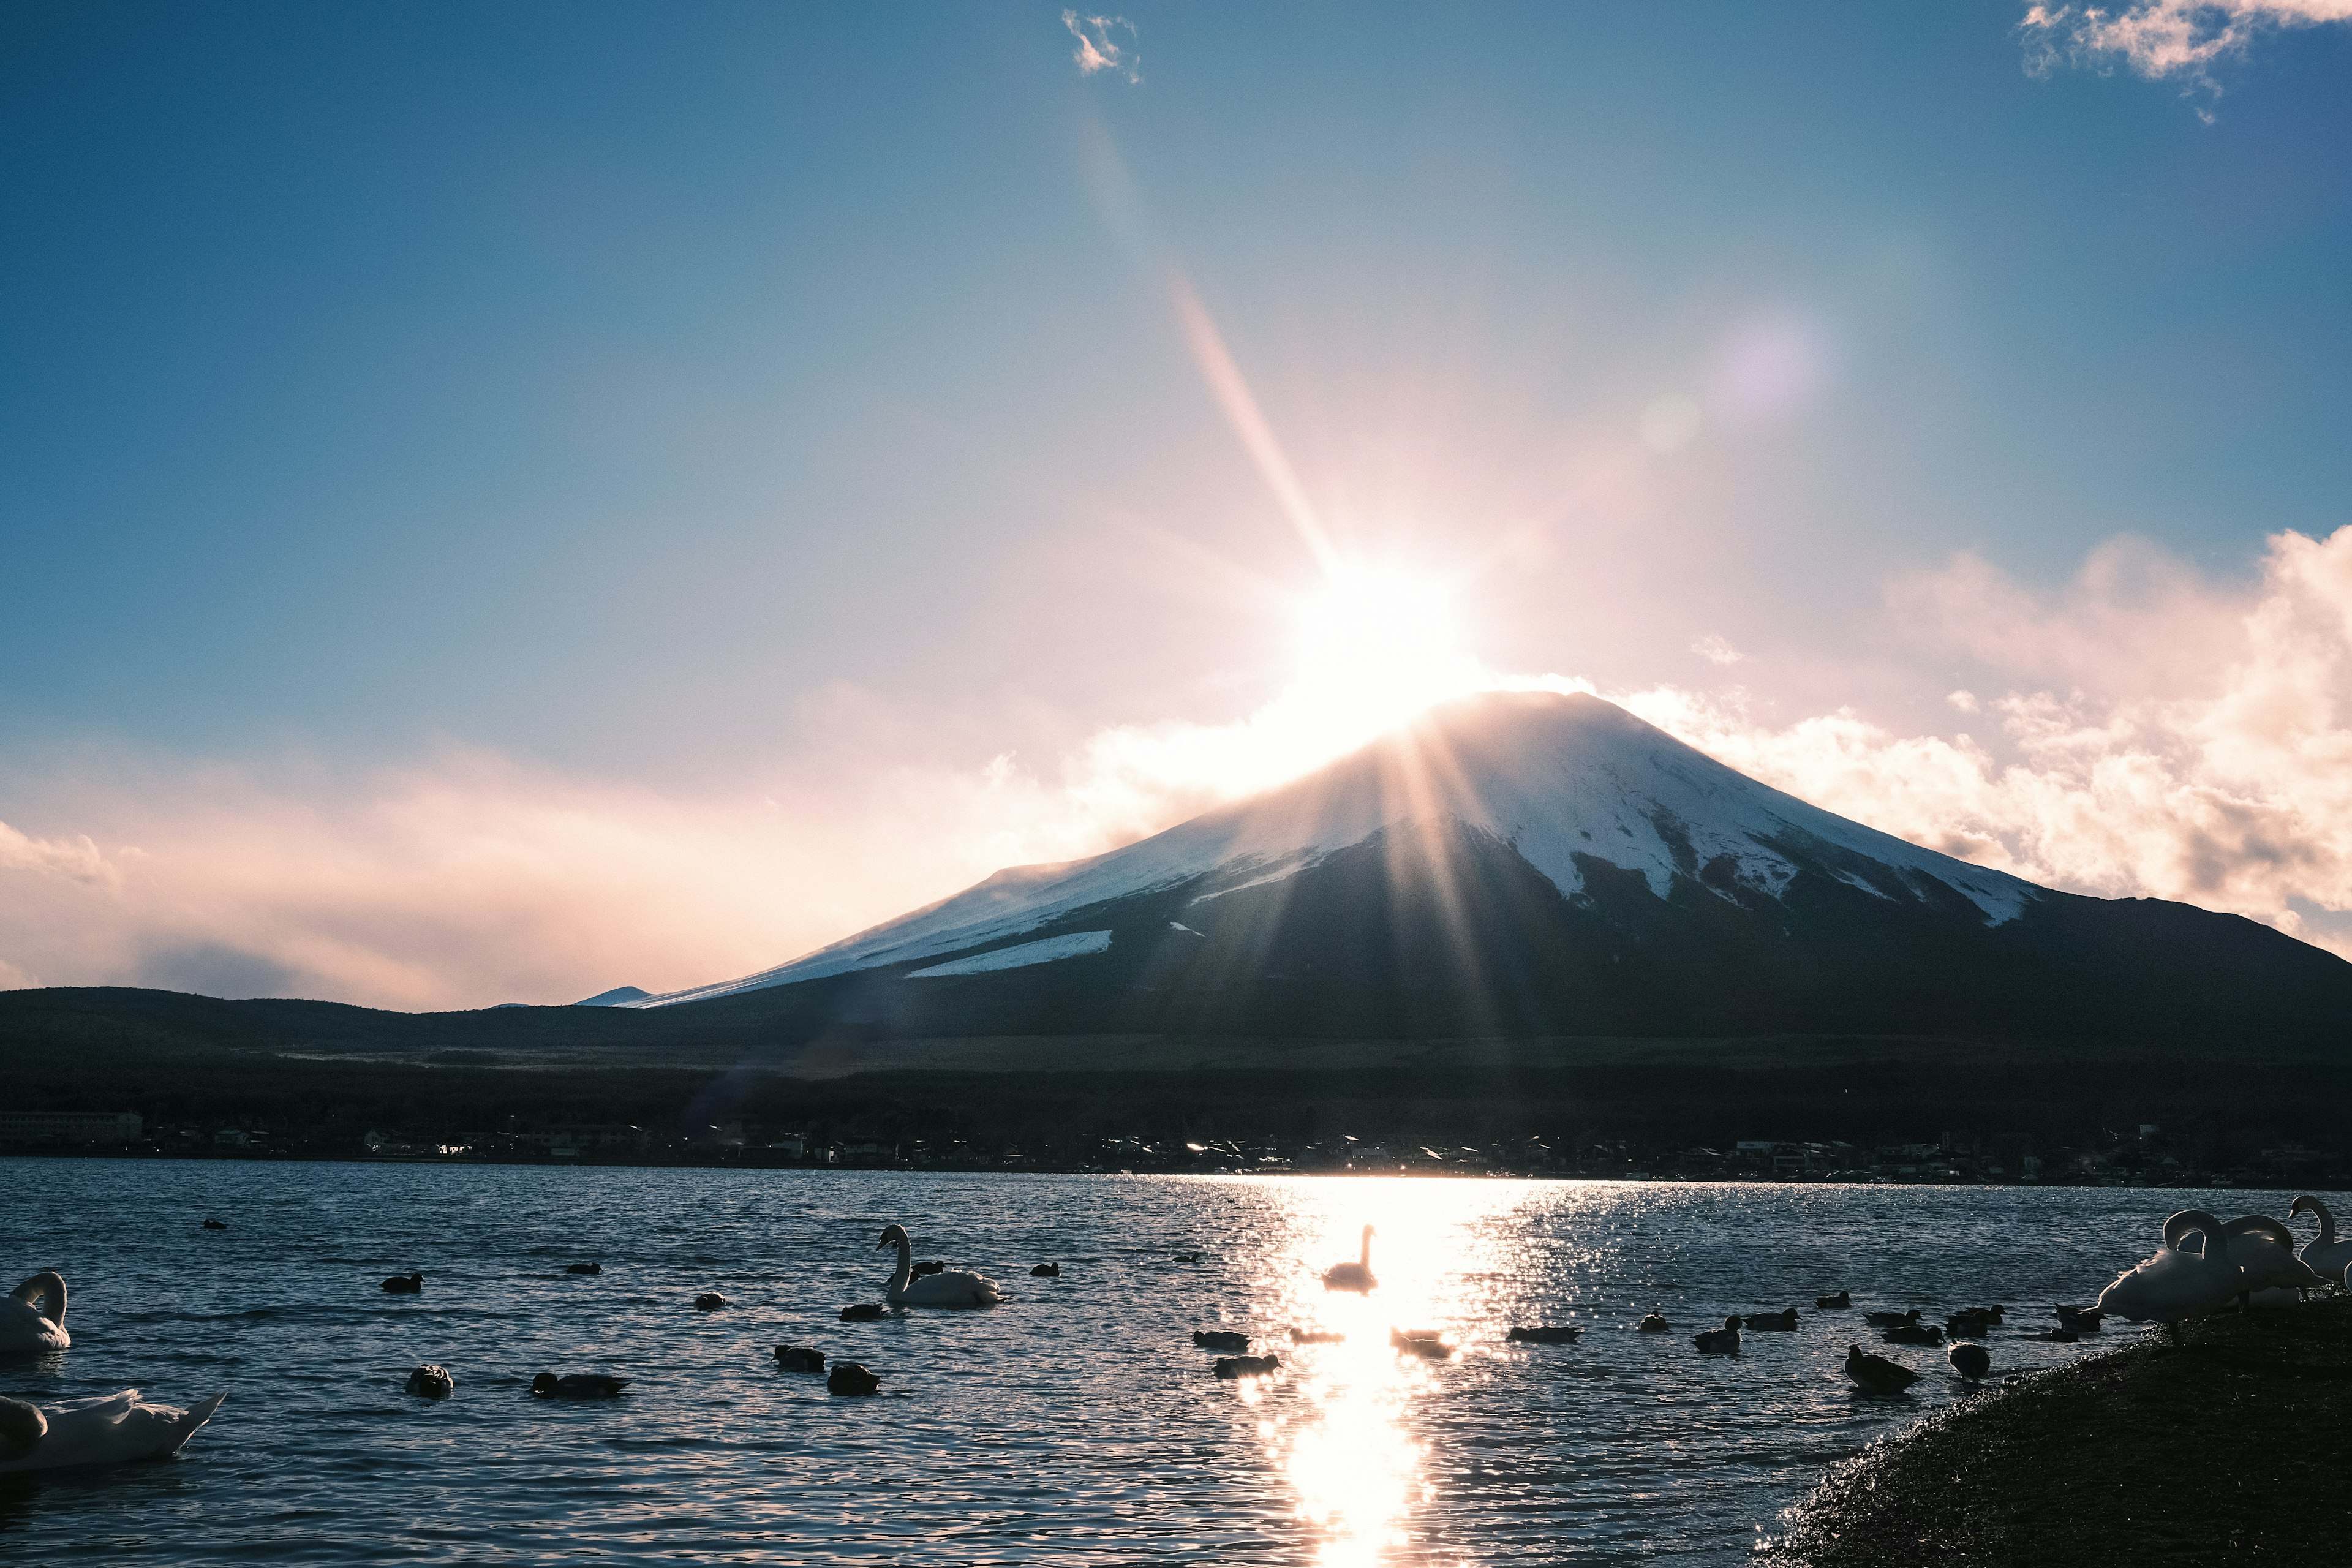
column 1376, row 644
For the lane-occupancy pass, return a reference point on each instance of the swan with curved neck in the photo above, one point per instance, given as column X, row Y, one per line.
column 1356, row 1276
column 2325, row 1256
column 2177, row 1283
column 949, row 1287
column 33, row 1316
column 2265, row 1249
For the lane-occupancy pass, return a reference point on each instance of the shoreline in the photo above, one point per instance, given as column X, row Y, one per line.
column 2144, row 1454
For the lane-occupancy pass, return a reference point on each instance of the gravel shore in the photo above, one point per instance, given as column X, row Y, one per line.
column 2235, row 1447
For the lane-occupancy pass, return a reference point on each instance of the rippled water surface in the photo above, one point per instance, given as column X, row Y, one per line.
column 1077, row 1423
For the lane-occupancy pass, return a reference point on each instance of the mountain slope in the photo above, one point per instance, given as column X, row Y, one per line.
column 1535, row 864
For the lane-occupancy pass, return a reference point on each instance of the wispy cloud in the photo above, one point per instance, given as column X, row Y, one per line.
column 1099, row 51
column 1716, row 650
column 2164, row 39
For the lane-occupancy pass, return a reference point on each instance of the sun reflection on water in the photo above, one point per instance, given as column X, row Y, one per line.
column 1351, row 1442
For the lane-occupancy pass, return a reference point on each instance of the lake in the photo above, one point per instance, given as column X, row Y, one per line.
column 1074, row 1423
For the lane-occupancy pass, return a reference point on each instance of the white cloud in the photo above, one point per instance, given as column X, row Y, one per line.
column 2160, row 39
column 1716, row 650
column 1098, row 51
column 76, row 859
column 2219, row 773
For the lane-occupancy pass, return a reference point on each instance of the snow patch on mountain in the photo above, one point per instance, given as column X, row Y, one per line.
column 1077, row 945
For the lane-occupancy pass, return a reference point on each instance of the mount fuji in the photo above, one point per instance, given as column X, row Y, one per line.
column 1533, row 864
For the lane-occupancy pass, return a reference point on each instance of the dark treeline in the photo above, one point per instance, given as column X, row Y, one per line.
column 2215, row 1115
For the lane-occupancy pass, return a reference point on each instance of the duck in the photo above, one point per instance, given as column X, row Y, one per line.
column 710, row 1301
column 849, row 1378
column 1655, row 1323
column 1229, row 1367
column 1422, row 1342
column 1891, row 1319
column 861, row 1312
column 405, row 1284
column 1356, row 1276
column 583, row 1268
column 1842, row 1299
column 1187, row 1256
column 928, row 1266
column 1219, row 1339
column 1971, row 1361
column 120, row 1429
column 949, row 1287
column 33, row 1316
column 432, row 1380
column 800, row 1358
column 1774, row 1323
column 2079, row 1320
column 1914, row 1334
column 1875, row 1374
column 1556, row 1334
column 2176, row 1283
column 1968, row 1324
column 2323, row 1255
column 1723, row 1341
column 578, row 1385
column 1047, row 1271
column 2055, row 1337
column 1299, row 1336
column 215, row 1225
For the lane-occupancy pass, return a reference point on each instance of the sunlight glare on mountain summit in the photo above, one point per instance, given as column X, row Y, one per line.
column 1377, row 646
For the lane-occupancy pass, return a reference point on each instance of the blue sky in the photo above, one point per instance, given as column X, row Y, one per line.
column 681, row 401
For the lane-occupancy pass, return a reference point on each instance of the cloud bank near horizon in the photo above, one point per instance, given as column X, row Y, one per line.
column 2156, row 734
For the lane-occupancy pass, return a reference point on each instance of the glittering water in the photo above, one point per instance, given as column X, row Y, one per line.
column 1077, row 1423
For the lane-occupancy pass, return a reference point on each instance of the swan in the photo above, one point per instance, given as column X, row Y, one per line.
column 1875, row 1374
column 114, row 1430
column 33, row 1316
column 949, row 1288
column 1357, row 1276
column 2265, row 1249
column 2325, row 1255
column 2176, row 1283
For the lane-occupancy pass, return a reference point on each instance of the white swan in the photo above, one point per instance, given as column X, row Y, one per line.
column 2177, row 1283
column 115, row 1430
column 1357, row 1276
column 2265, row 1249
column 26, row 1329
column 949, row 1288
column 2325, row 1255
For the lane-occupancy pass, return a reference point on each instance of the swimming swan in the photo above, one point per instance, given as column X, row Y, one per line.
column 33, row 1316
column 117, row 1429
column 949, row 1288
column 2176, row 1283
column 1357, row 1276
column 2325, row 1256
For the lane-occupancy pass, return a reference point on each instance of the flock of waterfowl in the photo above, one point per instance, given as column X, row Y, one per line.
column 2202, row 1266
